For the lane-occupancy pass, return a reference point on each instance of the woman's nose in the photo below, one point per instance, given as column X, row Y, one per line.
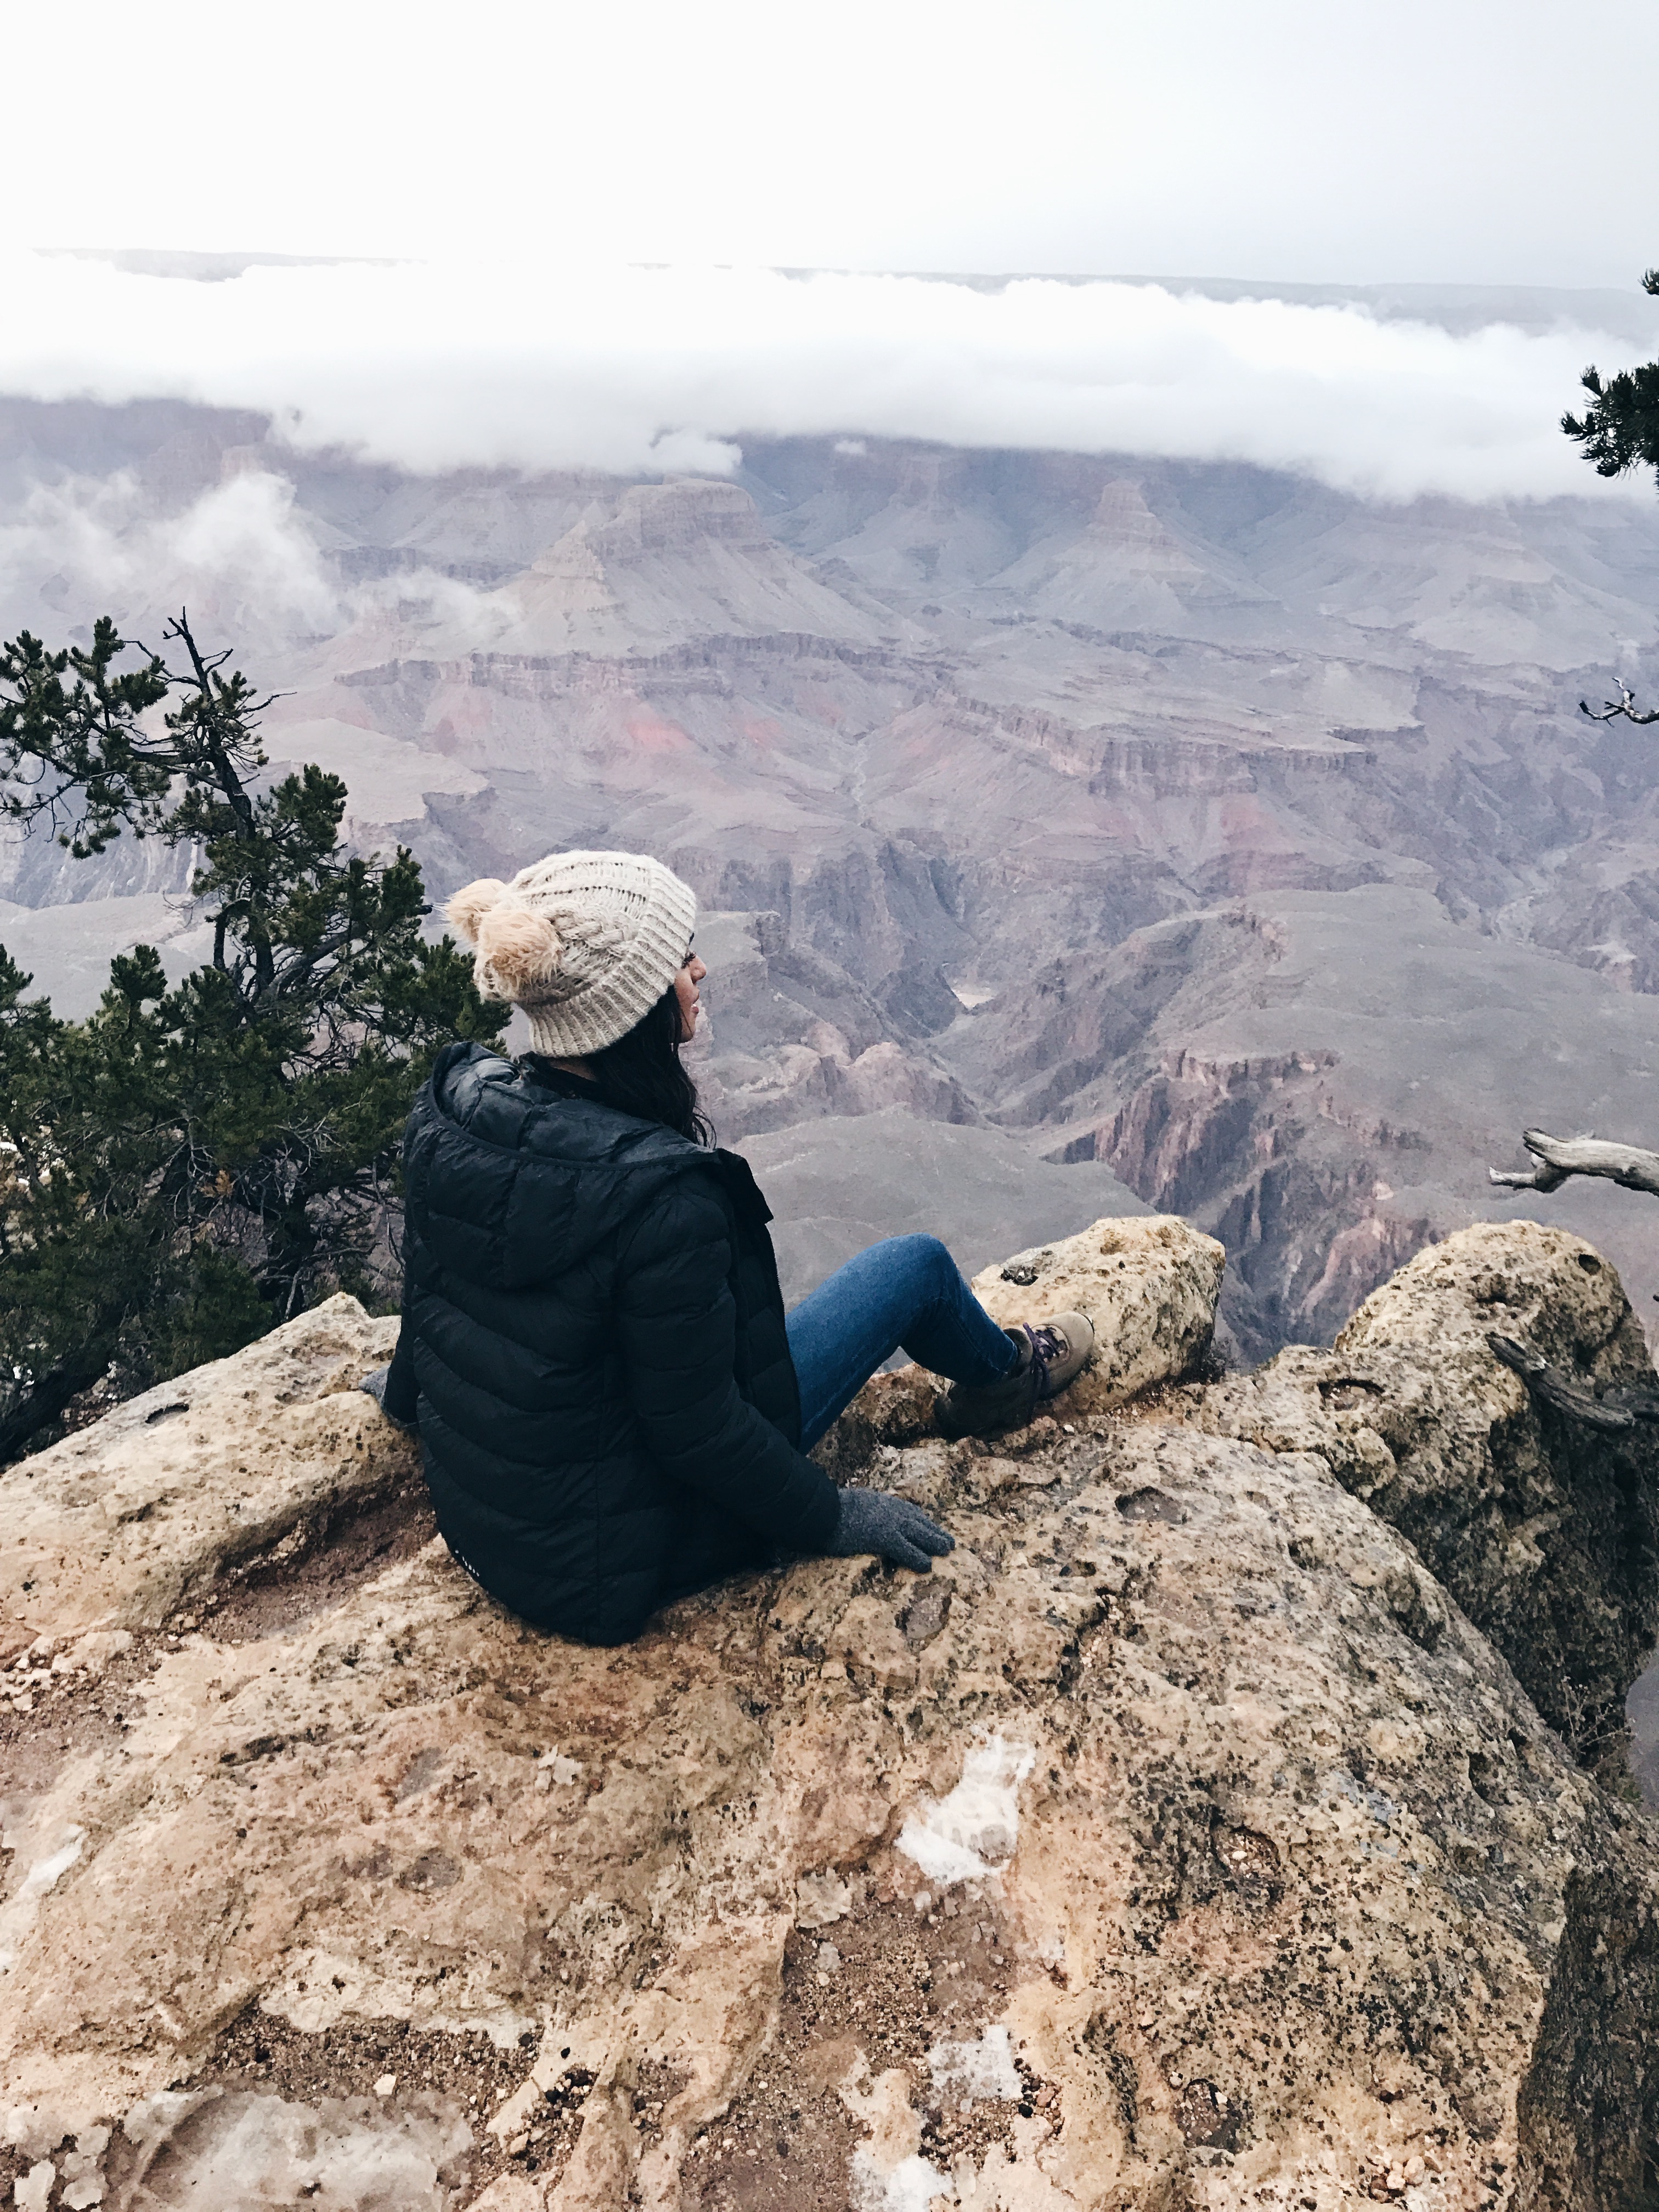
column 695, row 969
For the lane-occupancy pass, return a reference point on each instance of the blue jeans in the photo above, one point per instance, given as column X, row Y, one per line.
column 904, row 1294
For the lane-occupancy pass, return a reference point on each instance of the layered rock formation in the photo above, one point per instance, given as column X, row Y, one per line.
column 1302, row 1074
column 1238, row 836
column 1180, row 1840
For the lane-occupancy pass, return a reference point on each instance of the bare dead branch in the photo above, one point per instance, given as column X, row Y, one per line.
column 1552, row 1387
column 1555, row 1159
column 1625, row 706
column 1644, row 1404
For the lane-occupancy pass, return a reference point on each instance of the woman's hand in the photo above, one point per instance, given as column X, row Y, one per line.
column 891, row 1528
column 375, row 1384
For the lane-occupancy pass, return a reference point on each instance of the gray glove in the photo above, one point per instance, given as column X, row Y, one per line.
column 892, row 1527
column 376, row 1385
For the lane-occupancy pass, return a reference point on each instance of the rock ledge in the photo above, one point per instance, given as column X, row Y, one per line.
column 1180, row 1840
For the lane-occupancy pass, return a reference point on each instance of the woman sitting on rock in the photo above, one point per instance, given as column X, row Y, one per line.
column 613, row 1409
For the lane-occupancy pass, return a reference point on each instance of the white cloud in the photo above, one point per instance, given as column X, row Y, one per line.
column 633, row 369
column 240, row 558
column 239, row 555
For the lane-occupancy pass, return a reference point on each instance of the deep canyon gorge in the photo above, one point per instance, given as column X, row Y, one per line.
column 1175, row 883
column 1120, row 833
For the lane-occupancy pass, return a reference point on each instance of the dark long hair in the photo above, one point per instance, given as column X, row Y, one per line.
column 642, row 1073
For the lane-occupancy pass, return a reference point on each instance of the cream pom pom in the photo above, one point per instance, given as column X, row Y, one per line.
column 519, row 951
column 467, row 909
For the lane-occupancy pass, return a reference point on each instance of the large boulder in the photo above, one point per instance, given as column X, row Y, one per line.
column 1178, row 1841
column 122, row 1523
column 1544, row 1530
column 1149, row 1287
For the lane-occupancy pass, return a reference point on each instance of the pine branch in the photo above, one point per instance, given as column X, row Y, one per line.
column 197, row 1160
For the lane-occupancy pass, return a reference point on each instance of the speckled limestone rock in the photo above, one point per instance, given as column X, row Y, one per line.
column 117, row 1527
column 1545, row 1531
column 1149, row 1287
column 1177, row 1842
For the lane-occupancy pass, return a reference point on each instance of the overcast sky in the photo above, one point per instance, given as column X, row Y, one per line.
column 1474, row 141
column 570, row 221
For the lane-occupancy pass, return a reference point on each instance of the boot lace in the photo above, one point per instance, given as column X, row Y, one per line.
column 1036, row 1372
column 1049, row 1345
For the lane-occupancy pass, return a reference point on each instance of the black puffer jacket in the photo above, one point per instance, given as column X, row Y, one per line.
column 593, row 1335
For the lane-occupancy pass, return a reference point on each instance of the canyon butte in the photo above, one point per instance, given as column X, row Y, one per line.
column 1124, row 833
column 1238, row 1816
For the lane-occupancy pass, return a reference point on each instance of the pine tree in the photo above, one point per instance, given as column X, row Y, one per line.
column 199, row 1160
column 1619, row 431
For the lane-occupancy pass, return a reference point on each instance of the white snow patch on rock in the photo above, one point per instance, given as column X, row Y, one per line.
column 910, row 2186
column 45, row 1873
column 971, row 2072
column 42, row 1877
column 224, row 2153
column 974, row 1830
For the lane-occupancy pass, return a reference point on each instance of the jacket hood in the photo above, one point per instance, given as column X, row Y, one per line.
column 508, row 1183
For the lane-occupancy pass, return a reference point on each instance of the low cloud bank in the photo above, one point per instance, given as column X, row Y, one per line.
column 241, row 556
column 98, row 540
column 635, row 369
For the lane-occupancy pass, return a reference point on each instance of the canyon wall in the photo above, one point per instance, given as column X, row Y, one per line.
column 1237, row 838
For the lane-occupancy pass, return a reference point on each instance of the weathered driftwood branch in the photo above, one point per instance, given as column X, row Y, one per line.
column 1618, row 1410
column 1557, row 1157
column 1625, row 706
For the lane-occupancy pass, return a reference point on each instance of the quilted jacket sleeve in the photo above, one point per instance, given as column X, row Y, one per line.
column 402, row 1399
column 678, row 1326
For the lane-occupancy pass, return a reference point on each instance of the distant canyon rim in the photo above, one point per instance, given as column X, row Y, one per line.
column 1076, row 835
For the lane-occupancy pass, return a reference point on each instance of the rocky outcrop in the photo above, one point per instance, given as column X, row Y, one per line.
column 1295, row 1189
column 1315, row 1191
column 126, row 1523
column 821, row 1077
column 1544, row 1531
column 1282, row 1073
column 1178, row 1841
column 667, row 563
column 1149, row 1287
column 790, row 1038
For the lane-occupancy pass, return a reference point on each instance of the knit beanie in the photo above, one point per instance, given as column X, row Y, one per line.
column 586, row 943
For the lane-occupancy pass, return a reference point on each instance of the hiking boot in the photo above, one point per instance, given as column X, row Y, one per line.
column 1051, row 1356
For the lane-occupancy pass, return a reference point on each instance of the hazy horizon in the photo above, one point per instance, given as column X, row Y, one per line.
column 1427, row 136
column 552, row 238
